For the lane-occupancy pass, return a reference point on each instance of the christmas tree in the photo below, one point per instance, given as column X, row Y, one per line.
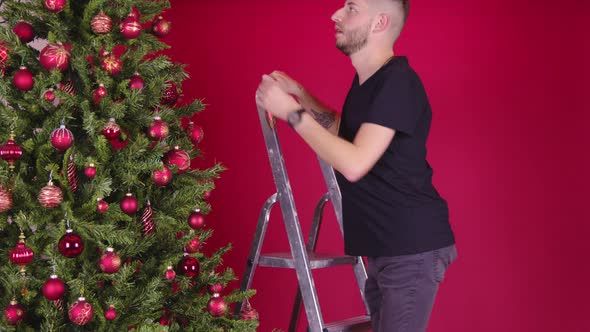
column 102, row 221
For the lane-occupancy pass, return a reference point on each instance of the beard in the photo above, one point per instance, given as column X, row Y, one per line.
column 354, row 40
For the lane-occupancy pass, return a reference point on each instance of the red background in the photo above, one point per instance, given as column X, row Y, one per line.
column 506, row 80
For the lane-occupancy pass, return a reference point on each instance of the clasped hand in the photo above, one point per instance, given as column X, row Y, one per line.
column 272, row 96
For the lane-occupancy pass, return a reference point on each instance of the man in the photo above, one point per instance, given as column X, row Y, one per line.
column 391, row 211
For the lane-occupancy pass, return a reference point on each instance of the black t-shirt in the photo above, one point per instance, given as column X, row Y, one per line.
column 394, row 209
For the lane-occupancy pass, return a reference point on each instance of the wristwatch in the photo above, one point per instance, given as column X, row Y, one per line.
column 294, row 117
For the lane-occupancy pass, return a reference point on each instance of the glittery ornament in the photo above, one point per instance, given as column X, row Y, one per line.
column 161, row 27
column 110, row 262
column 62, row 138
column 101, row 23
column 216, row 306
column 4, row 56
column 72, row 177
column 195, row 133
column 99, row 93
column 130, row 27
column 5, row 200
column 147, row 221
column 170, row 94
column 216, row 288
column 158, row 130
column 81, row 312
column 67, row 87
column 112, row 64
column 111, row 130
column 193, row 245
column 14, row 313
column 55, row 56
column 55, row 6
column 179, row 158
column 162, row 176
column 248, row 313
column 50, row 196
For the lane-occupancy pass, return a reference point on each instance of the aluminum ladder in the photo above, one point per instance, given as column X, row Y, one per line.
column 302, row 257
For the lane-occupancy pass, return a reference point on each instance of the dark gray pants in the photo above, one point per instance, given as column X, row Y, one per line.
column 400, row 290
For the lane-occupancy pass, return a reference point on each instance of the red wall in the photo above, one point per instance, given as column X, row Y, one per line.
column 508, row 146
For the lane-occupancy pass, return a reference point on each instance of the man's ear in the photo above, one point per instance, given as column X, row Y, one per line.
column 382, row 22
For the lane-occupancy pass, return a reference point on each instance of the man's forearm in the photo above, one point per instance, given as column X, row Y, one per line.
column 321, row 113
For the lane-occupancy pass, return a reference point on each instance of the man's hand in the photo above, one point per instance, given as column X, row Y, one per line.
column 287, row 84
column 273, row 99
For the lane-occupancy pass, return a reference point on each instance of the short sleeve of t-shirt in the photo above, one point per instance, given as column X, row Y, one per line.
column 395, row 103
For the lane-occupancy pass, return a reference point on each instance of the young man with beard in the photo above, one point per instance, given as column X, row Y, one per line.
column 391, row 211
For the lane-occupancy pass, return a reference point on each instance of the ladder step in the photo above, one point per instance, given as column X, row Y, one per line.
column 316, row 261
column 355, row 324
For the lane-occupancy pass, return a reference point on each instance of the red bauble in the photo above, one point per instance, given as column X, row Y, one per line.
column 5, row 200
column 161, row 27
column 24, row 31
column 164, row 321
column 50, row 196
column 217, row 306
column 136, row 82
column 158, row 130
column 53, row 288
column 90, row 171
column 11, row 151
column 129, row 204
column 101, row 23
column 193, row 245
column 130, row 27
column 101, row 206
column 110, row 313
column 214, row 289
column 179, row 158
column 49, row 95
column 195, row 133
column 188, row 266
column 196, row 220
column 207, row 195
column 14, row 313
column 111, row 130
column 99, row 93
column 23, row 79
column 21, row 255
column 55, row 56
column 170, row 94
column 62, row 138
column 162, row 176
column 55, row 6
column 71, row 244
column 81, row 312
column 110, row 262
column 169, row 274
column 112, row 64
column 134, row 13
column 4, row 55
column 67, row 87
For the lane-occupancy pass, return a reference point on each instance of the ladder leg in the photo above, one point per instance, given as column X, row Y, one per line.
column 256, row 247
column 311, row 245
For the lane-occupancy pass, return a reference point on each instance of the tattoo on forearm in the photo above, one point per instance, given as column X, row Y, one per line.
column 325, row 119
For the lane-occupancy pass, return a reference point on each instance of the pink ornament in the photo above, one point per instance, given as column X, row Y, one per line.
column 179, row 158
column 10, row 151
column 110, row 313
column 193, row 245
column 170, row 94
column 195, row 133
column 158, row 130
column 101, row 23
column 136, row 82
column 62, row 138
column 216, row 288
column 101, row 206
column 14, row 313
column 5, row 200
column 110, row 262
column 216, row 306
column 162, row 176
column 169, row 274
column 99, row 93
column 112, row 64
column 55, row 56
column 130, row 27
column 196, row 220
column 49, row 95
column 161, row 27
column 23, row 79
column 55, row 6
column 21, row 255
column 81, row 312
column 90, row 171
column 50, row 196
column 53, row 288
column 111, row 130
column 129, row 204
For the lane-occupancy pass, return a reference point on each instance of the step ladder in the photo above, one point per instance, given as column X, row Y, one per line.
column 303, row 257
